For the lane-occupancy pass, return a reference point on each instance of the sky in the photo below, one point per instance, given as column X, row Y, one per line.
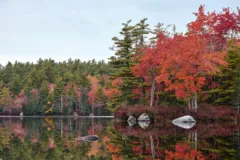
column 83, row 29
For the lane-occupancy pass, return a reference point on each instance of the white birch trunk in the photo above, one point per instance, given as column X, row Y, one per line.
column 195, row 140
column 195, row 101
column 152, row 147
column 61, row 126
column 152, row 92
column 61, row 106
column 189, row 103
column 192, row 103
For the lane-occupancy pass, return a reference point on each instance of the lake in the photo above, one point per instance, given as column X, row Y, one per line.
column 59, row 138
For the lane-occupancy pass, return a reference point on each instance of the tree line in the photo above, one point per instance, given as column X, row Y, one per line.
column 49, row 87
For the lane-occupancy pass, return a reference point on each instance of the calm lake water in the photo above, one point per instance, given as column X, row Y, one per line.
column 55, row 139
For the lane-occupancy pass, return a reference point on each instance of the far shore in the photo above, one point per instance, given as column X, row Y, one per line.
column 56, row 116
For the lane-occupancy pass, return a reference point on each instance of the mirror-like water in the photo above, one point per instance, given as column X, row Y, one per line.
column 63, row 138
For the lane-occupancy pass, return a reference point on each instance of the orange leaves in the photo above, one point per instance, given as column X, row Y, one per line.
column 137, row 93
column 189, row 62
column 113, row 148
column 94, row 87
column 197, row 26
column 112, row 92
column 183, row 151
column 94, row 81
column 117, row 82
column 92, row 95
column 216, row 28
column 181, row 62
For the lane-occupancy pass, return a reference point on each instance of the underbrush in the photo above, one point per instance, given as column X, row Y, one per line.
column 205, row 112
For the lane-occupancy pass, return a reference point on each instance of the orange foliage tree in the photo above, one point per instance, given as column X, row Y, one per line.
column 181, row 63
column 186, row 64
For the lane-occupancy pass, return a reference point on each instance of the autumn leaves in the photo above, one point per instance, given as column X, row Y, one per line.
column 182, row 61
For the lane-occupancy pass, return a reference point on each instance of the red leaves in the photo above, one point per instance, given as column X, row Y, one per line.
column 216, row 28
column 183, row 151
column 147, row 64
column 19, row 100
column 51, row 144
column 187, row 63
column 137, row 92
column 117, row 82
column 112, row 92
column 92, row 95
column 197, row 26
column 51, row 88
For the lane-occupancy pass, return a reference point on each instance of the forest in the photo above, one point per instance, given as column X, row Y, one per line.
column 151, row 66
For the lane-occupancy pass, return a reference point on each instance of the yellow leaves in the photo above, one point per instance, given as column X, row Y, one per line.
column 49, row 110
column 48, row 123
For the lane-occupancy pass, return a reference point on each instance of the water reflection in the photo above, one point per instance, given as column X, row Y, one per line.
column 58, row 138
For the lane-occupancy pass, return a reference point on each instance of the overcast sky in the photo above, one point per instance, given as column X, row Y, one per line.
column 83, row 29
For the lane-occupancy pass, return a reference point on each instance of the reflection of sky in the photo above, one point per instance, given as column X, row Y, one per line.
column 61, row 29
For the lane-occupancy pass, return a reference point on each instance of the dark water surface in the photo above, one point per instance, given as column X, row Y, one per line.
column 55, row 139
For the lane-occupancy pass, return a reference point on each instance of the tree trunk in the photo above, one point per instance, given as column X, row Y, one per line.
column 61, row 126
column 152, row 147
column 143, row 90
column 192, row 103
column 61, row 106
column 238, row 101
column 157, row 100
column 195, row 140
column 195, row 101
column 152, row 92
column 189, row 103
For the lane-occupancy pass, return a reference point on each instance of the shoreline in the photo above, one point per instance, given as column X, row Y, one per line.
column 9, row 116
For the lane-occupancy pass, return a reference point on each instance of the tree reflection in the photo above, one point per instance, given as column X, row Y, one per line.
column 54, row 138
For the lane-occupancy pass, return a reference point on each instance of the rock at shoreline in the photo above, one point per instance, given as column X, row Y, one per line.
column 185, row 122
column 131, row 121
column 21, row 114
column 89, row 138
column 144, row 125
column 75, row 114
column 144, row 117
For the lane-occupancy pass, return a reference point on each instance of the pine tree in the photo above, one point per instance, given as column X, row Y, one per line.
column 8, row 73
column 140, row 32
column 229, row 79
column 122, row 62
column 16, row 84
column 5, row 97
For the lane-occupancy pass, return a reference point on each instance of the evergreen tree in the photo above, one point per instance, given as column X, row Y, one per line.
column 121, row 64
column 140, row 33
column 229, row 79
column 7, row 73
column 16, row 85
column 5, row 97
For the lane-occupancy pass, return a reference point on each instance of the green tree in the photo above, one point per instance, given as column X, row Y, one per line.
column 229, row 79
column 5, row 97
column 16, row 84
column 122, row 63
